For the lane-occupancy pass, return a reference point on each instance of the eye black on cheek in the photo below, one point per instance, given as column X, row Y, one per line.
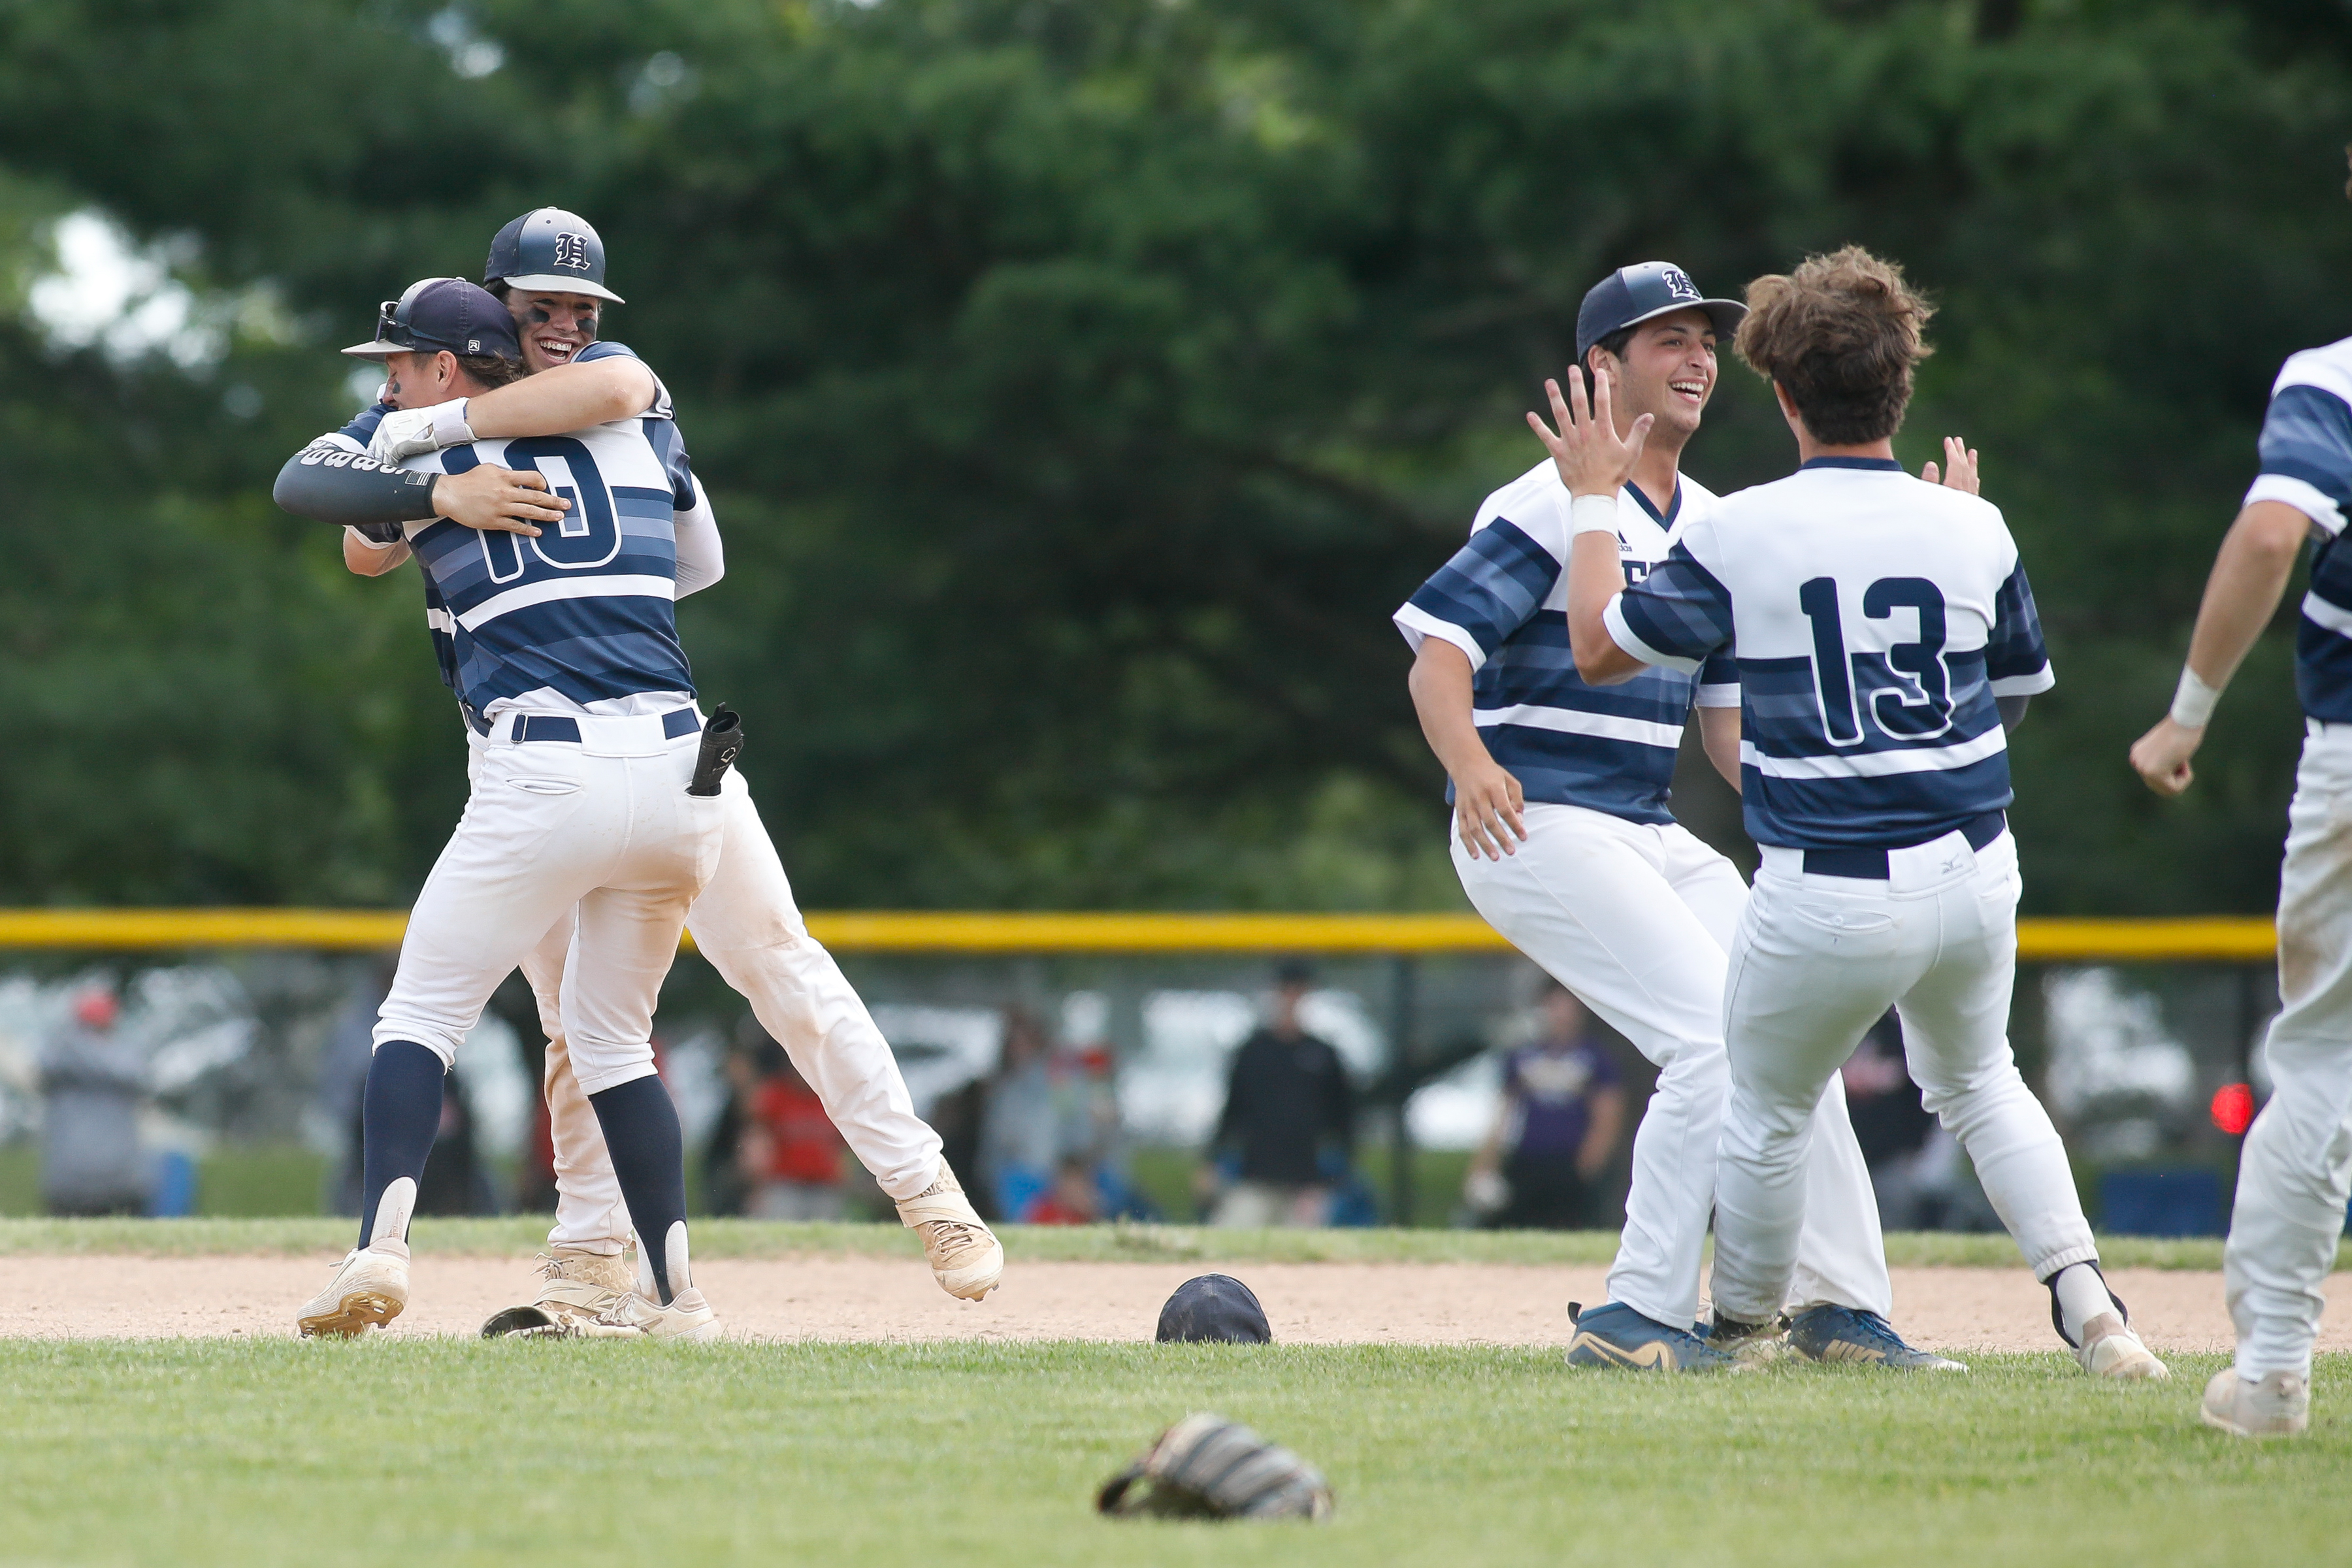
column 538, row 316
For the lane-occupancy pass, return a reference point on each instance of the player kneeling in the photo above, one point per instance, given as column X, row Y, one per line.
column 1885, row 637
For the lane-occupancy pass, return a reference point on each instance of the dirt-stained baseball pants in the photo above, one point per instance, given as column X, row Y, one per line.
column 1635, row 919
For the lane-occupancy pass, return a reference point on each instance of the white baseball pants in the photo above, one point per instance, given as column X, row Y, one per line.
column 1816, row 961
column 1635, row 921
column 601, row 825
column 746, row 924
column 2295, row 1172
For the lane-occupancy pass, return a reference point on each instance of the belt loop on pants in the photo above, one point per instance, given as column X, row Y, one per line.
column 1870, row 865
column 622, row 734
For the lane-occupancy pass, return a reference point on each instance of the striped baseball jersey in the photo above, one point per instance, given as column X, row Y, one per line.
column 1874, row 618
column 2306, row 462
column 1503, row 601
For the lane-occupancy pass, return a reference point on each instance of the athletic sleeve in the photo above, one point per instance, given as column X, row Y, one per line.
column 334, row 480
column 1678, row 617
column 2016, row 662
column 1492, row 587
column 702, row 557
column 1718, row 680
column 2306, row 454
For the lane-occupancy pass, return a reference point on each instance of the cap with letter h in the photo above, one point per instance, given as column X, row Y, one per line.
column 1632, row 295
column 548, row 248
column 442, row 313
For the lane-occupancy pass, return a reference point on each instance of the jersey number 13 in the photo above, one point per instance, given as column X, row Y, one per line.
column 1906, row 691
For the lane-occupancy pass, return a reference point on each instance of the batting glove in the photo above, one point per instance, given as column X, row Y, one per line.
column 411, row 432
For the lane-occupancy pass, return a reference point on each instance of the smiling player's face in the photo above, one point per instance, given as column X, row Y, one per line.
column 554, row 326
column 1668, row 370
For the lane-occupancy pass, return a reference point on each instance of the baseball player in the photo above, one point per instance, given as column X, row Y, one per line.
column 2295, row 1169
column 1564, row 841
column 585, row 797
column 1879, row 624
column 550, row 267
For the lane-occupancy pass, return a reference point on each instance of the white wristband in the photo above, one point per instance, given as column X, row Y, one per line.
column 449, row 427
column 2192, row 704
column 1593, row 514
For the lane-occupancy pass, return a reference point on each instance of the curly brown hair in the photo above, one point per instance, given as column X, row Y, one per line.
column 1841, row 333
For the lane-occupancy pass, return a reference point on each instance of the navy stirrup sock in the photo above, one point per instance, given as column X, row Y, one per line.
column 401, row 1117
column 641, row 1128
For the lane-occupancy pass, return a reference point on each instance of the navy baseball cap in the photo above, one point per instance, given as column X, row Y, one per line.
column 1634, row 294
column 442, row 313
column 1213, row 1306
column 548, row 248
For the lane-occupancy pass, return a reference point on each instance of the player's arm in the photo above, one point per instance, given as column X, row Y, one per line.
column 701, row 556
column 1489, row 807
column 1594, row 463
column 338, row 484
column 2249, row 578
column 1718, row 736
column 552, row 403
column 1601, row 1137
column 371, row 557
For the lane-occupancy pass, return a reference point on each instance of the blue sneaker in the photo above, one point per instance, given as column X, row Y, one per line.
column 1616, row 1335
column 1846, row 1334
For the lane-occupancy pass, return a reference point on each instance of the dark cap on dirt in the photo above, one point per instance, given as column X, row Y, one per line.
column 1212, row 1307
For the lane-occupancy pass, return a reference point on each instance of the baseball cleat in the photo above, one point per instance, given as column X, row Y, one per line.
column 1616, row 1335
column 2278, row 1405
column 371, row 1284
column 369, row 1289
column 688, row 1319
column 576, row 1288
column 2111, row 1350
column 1829, row 1333
column 1754, row 1344
column 965, row 1256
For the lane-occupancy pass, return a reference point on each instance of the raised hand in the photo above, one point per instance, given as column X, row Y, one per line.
column 1959, row 470
column 1592, row 457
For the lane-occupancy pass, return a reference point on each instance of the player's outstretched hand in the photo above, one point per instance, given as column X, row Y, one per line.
column 2161, row 756
column 1489, row 810
column 1959, row 470
column 1592, row 457
column 498, row 500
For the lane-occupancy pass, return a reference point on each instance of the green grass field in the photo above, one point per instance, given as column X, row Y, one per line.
column 465, row 1452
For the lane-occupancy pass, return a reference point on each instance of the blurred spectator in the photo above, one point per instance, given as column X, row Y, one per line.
column 789, row 1151
column 343, row 1078
column 94, row 1083
column 456, row 1179
column 1073, row 1199
column 1562, row 1113
column 1047, row 1108
column 1286, row 1143
column 726, row 1181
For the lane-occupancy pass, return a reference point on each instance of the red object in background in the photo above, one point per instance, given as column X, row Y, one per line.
column 2234, row 1107
column 804, row 1144
column 96, row 1008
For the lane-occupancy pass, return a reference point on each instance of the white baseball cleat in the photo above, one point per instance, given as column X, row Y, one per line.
column 371, row 1284
column 688, row 1318
column 576, row 1290
column 2278, row 1405
column 2110, row 1350
column 965, row 1256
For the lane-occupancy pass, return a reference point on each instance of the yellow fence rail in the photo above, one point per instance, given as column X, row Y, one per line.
column 2211, row 939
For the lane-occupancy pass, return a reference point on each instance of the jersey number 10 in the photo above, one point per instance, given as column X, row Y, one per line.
column 1907, row 691
column 589, row 533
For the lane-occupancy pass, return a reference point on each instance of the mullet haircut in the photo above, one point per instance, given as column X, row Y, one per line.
column 1843, row 333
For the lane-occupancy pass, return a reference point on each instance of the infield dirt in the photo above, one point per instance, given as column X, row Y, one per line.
column 832, row 1297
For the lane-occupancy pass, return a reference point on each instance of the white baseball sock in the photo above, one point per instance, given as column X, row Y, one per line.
column 2082, row 1295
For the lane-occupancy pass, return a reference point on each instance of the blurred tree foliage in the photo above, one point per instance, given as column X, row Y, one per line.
column 1083, row 382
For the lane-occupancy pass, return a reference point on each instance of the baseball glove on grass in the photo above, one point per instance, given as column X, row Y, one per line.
column 1206, row 1466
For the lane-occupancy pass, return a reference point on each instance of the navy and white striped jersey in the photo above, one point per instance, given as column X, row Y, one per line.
column 697, row 566
column 1503, row 601
column 2306, row 462
column 1874, row 618
column 580, row 618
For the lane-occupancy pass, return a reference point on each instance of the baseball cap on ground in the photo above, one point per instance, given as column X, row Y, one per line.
column 442, row 313
column 1634, row 294
column 1213, row 1306
column 548, row 248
